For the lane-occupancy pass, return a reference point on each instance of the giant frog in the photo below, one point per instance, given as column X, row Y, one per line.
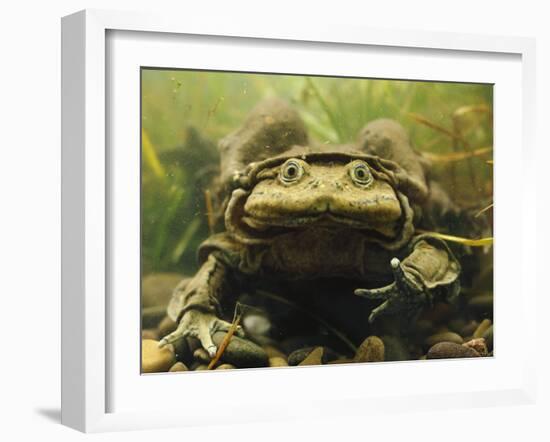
column 296, row 210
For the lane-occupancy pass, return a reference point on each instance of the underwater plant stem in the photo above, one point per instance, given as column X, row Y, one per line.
column 481, row 242
column 326, row 108
column 466, row 147
column 482, row 211
column 457, row 156
column 150, row 156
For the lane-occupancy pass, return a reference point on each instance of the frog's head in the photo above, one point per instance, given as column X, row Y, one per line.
column 298, row 193
column 310, row 185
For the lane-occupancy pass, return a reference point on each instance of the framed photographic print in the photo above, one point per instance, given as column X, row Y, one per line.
column 246, row 209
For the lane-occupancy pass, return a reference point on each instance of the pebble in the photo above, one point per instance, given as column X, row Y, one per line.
column 488, row 336
column 482, row 328
column 157, row 288
column 201, row 355
column 201, row 367
column 297, row 356
column 274, row 352
column 178, row 366
column 149, row 333
column 257, row 324
column 448, row 350
column 443, row 337
column 225, row 367
column 478, row 345
column 277, row 361
column 241, row 352
column 166, row 326
column 341, row 361
column 294, row 343
column 370, row 350
column 314, row 358
column 155, row 359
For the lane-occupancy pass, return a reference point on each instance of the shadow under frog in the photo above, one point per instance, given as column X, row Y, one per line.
column 318, row 218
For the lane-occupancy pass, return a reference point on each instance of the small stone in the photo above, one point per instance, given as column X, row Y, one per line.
column 314, row 358
column 297, row 356
column 371, row 350
column 166, row 326
column 341, row 361
column 478, row 345
column 178, row 366
column 443, row 337
column 155, row 359
column 257, row 324
column 201, row 367
column 241, row 352
column 277, row 361
column 294, row 343
column 201, row 355
column 482, row 328
column 157, row 288
column 150, row 333
column 225, row 367
column 274, row 352
column 449, row 350
column 488, row 336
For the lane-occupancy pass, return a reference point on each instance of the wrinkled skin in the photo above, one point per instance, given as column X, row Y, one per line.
column 294, row 210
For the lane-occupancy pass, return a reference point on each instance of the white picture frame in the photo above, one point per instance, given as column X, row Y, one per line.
column 89, row 175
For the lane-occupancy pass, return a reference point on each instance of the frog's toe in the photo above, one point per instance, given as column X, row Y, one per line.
column 380, row 293
column 173, row 337
column 378, row 311
column 225, row 326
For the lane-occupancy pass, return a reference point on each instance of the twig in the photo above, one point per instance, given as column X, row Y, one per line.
column 456, row 156
column 423, row 120
column 226, row 339
column 483, row 210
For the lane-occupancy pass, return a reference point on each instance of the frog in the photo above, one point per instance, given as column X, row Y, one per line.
column 294, row 209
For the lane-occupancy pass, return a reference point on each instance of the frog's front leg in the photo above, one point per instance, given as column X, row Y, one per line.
column 196, row 304
column 429, row 272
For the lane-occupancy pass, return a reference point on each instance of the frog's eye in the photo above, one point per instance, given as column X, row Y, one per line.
column 291, row 171
column 360, row 173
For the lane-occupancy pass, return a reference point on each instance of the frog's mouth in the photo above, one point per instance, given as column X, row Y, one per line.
column 325, row 219
column 263, row 230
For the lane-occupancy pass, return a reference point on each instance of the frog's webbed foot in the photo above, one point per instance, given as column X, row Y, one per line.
column 404, row 296
column 200, row 325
